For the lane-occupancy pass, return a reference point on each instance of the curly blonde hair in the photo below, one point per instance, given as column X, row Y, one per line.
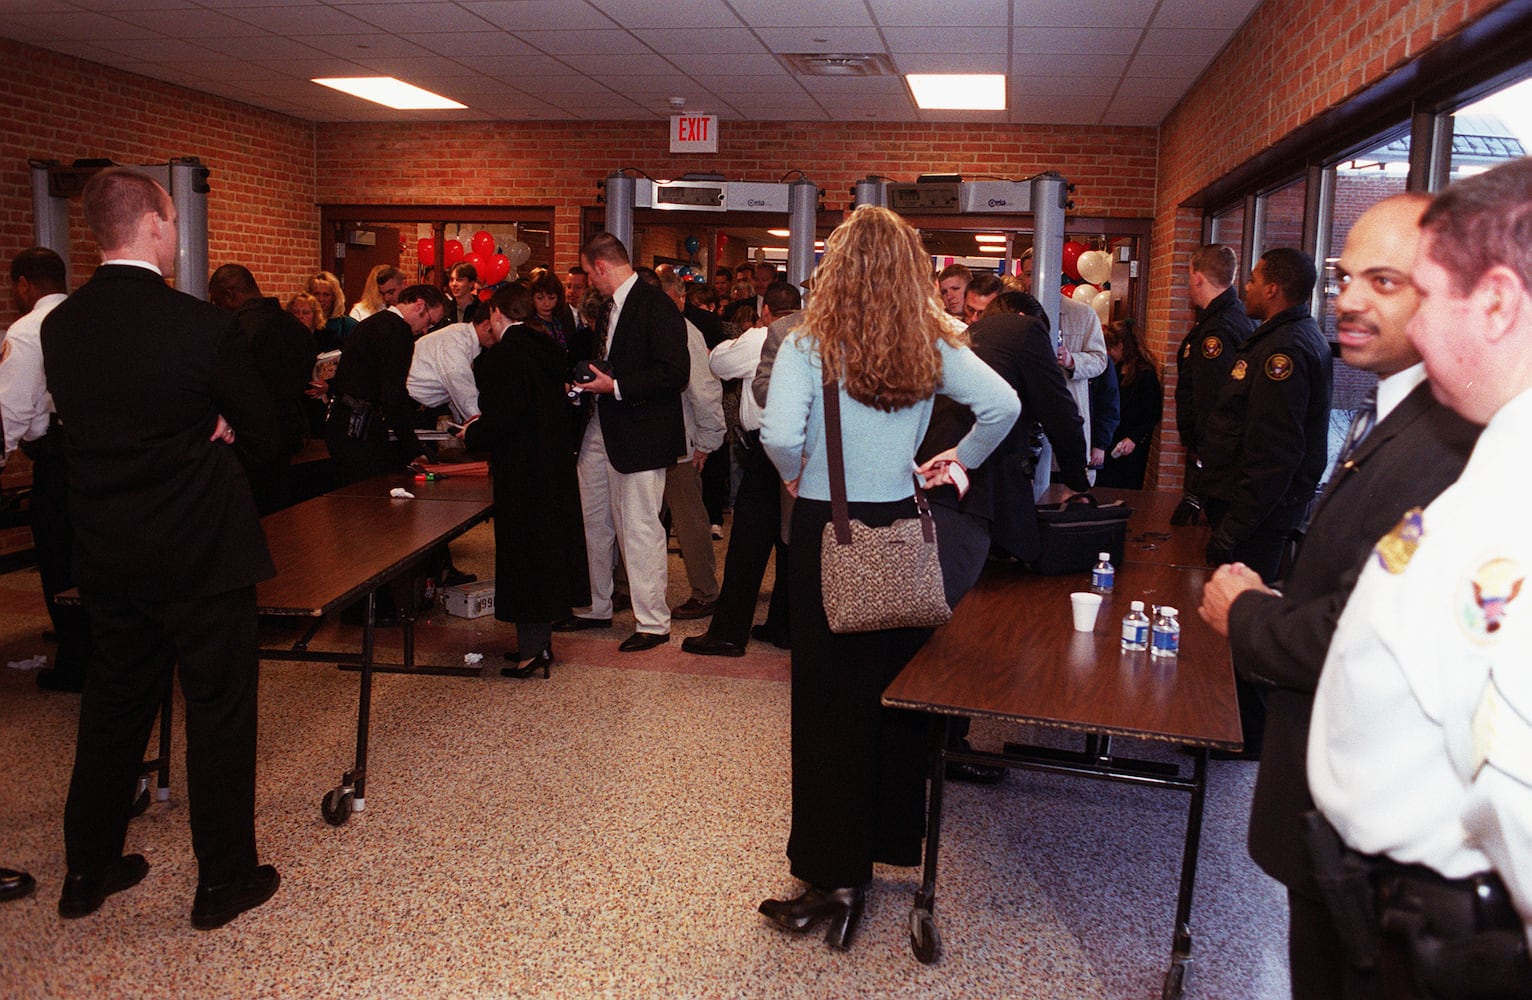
column 874, row 315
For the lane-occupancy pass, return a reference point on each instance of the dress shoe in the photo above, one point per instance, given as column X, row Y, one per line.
column 575, row 623
column 763, row 633
column 15, row 885
column 706, row 645
column 974, row 774
column 84, row 894
column 455, row 577
column 694, row 608
column 50, row 679
column 640, row 641
column 717, row 532
column 841, row 907
column 542, row 661
column 216, row 905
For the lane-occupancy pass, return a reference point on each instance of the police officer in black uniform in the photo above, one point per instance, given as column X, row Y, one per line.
column 1205, row 358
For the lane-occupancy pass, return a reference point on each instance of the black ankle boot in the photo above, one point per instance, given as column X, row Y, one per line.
column 841, row 907
column 542, row 661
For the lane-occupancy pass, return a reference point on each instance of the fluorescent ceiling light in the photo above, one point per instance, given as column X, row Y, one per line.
column 390, row 93
column 958, row 91
column 988, row 238
column 778, row 232
column 991, row 248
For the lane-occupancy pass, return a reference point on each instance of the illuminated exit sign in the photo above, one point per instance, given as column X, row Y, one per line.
column 694, row 133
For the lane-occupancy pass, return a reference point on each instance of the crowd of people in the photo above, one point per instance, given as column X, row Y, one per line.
column 1383, row 686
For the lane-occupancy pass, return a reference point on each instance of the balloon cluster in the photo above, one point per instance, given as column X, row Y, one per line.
column 491, row 266
column 1088, row 275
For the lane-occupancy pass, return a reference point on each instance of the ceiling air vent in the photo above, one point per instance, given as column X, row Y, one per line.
column 837, row 64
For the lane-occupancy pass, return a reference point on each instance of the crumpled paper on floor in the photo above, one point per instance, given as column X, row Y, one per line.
column 37, row 662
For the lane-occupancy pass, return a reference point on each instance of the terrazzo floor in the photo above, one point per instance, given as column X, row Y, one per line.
column 604, row 833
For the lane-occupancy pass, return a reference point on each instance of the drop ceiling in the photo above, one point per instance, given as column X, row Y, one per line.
column 1090, row 62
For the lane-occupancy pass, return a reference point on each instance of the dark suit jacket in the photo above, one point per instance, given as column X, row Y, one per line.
column 139, row 374
column 1413, row 454
column 284, row 352
column 1020, row 350
column 374, row 366
column 644, row 429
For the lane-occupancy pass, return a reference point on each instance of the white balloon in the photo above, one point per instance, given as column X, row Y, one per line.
column 518, row 253
column 1095, row 266
column 1102, row 303
column 1084, row 293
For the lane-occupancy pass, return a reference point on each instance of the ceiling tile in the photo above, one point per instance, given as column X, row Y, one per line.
column 958, row 38
column 727, row 65
column 775, row 13
column 821, row 39
column 305, row 21
column 1064, row 86
column 949, row 13
column 1086, row 111
column 534, row 15
column 194, row 23
column 419, row 17
column 531, row 66
column 373, row 46
column 266, row 46
column 1176, row 41
column 646, row 63
column 701, row 40
column 1204, row 13
column 1067, row 64
column 609, row 42
column 76, row 25
column 939, row 62
column 1086, row 13
column 1084, row 41
column 692, row 15
column 467, row 45
column 1184, row 67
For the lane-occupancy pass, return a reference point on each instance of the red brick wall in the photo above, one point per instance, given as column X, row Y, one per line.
column 1292, row 60
column 551, row 164
column 260, row 210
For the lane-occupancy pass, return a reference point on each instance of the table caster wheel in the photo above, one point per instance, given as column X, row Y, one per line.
column 925, row 942
column 1175, row 980
column 336, row 806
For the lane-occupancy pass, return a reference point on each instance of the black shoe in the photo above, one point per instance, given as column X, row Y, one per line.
column 217, row 905
column 542, row 661
column 455, row 577
column 706, row 645
column 974, row 774
column 1248, row 753
column 84, row 894
column 15, row 885
column 575, row 623
column 763, row 633
column 640, row 641
column 694, row 608
column 50, row 679
column 841, row 907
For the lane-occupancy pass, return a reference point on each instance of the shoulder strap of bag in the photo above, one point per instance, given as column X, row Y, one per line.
column 840, row 514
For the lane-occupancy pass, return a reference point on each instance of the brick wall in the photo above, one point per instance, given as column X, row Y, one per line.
column 1292, row 60
column 260, row 210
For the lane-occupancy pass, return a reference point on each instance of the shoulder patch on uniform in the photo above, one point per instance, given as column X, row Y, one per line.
column 1237, row 373
column 1279, row 367
column 1395, row 549
column 1212, row 347
column 1485, row 597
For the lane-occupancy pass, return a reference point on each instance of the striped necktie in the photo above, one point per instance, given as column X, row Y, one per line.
column 1361, row 425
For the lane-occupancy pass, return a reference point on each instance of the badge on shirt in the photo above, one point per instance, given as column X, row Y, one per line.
column 1212, row 347
column 1238, row 373
column 1485, row 598
column 1279, row 367
column 1186, row 350
column 1395, row 549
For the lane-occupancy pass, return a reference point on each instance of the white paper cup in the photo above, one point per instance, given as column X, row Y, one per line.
column 1085, row 608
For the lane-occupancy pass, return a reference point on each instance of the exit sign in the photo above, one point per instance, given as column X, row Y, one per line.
column 694, row 133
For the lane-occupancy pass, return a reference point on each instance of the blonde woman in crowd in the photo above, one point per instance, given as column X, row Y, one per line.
column 326, row 290
column 384, row 283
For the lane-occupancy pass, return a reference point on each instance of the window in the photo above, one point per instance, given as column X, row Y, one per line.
column 1491, row 130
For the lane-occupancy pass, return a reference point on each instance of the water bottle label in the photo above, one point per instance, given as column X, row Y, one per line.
column 1166, row 641
column 1135, row 634
column 1101, row 579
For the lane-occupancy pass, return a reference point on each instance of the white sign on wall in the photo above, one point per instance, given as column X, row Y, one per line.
column 694, row 133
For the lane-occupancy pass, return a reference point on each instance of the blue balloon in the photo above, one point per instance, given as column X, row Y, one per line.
column 693, row 244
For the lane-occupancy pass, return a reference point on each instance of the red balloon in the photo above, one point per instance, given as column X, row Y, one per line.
column 1068, row 291
column 498, row 267
column 1072, row 252
column 454, row 252
column 425, row 250
column 485, row 294
column 483, row 244
column 478, row 262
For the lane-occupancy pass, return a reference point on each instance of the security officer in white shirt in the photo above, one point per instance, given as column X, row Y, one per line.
column 441, row 370
column 26, row 409
column 1420, row 751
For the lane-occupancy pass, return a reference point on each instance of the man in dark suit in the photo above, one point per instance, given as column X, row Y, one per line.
column 155, row 390
column 634, row 435
column 284, row 353
column 1415, row 450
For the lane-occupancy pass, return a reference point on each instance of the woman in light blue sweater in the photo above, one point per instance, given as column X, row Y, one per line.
column 875, row 324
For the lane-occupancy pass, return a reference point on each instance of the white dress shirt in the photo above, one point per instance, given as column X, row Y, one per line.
column 441, row 371
column 1421, row 741
column 701, row 400
column 25, row 405
column 739, row 358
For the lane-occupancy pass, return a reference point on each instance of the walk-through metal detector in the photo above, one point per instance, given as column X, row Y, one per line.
column 54, row 183
column 799, row 200
column 1045, row 197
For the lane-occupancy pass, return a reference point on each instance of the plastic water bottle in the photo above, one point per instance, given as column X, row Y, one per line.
column 1102, row 574
column 1135, row 628
column 1165, row 637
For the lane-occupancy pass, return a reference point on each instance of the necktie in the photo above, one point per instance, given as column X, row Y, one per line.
column 604, row 330
column 1361, row 425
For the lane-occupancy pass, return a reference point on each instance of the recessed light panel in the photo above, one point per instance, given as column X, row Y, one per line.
column 958, row 91
column 389, row 92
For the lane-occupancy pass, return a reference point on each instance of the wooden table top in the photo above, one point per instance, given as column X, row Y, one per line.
column 1011, row 653
column 1151, row 537
column 331, row 549
column 474, row 489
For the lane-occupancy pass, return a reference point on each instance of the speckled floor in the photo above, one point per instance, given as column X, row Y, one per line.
column 605, row 833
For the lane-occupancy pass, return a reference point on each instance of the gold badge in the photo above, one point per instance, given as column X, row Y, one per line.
column 1212, row 347
column 1238, row 373
column 1486, row 601
column 1186, row 350
column 1279, row 367
column 1395, row 549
